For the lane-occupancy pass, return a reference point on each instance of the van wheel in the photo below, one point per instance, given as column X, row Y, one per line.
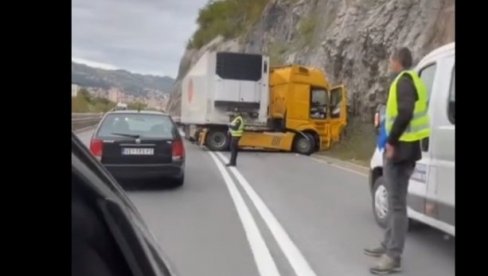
column 217, row 140
column 381, row 209
column 304, row 144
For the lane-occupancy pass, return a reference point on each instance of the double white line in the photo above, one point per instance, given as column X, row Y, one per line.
column 264, row 261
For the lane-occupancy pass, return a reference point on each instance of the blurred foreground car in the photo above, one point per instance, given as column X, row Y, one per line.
column 108, row 235
column 139, row 145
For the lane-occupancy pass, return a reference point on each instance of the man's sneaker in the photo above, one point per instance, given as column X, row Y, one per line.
column 375, row 252
column 386, row 265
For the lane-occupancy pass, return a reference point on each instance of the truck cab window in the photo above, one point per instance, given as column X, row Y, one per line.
column 318, row 104
column 452, row 98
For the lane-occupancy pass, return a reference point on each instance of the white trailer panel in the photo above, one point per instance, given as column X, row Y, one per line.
column 221, row 82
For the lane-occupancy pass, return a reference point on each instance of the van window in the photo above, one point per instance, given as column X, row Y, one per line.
column 427, row 74
column 452, row 98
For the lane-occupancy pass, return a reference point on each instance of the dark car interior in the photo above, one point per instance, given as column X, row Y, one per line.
column 93, row 249
column 108, row 237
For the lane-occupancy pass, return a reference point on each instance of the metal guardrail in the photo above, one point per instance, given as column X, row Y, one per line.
column 82, row 121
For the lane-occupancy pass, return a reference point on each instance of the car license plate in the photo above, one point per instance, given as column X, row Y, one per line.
column 137, row 151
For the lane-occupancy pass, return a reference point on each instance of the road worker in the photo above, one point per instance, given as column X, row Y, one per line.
column 236, row 128
column 406, row 124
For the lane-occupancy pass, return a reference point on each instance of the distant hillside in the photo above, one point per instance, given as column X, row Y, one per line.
column 130, row 83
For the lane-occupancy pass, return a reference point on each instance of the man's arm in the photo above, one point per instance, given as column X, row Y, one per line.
column 406, row 97
column 236, row 126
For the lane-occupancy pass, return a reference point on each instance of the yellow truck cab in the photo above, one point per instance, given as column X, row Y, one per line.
column 302, row 102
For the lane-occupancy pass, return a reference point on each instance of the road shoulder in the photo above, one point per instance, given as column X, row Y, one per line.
column 358, row 169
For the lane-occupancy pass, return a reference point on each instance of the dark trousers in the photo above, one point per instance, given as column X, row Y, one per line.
column 234, row 148
column 397, row 176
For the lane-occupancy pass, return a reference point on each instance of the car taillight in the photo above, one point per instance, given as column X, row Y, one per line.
column 96, row 147
column 178, row 150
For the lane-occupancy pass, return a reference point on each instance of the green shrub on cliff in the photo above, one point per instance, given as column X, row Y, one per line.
column 229, row 18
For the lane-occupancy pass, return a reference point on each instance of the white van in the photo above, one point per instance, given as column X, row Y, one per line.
column 431, row 190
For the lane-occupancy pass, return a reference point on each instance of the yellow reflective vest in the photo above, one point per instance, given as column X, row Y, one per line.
column 238, row 132
column 419, row 126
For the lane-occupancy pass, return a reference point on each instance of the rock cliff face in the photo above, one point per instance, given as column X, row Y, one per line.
column 350, row 40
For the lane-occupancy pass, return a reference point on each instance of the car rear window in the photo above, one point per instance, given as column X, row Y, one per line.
column 142, row 125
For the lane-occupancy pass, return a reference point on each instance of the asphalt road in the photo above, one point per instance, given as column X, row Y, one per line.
column 276, row 214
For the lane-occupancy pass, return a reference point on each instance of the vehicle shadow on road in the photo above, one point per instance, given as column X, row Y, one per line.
column 149, row 185
column 435, row 238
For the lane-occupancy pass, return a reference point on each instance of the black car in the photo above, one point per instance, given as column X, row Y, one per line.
column 108, row 235
column 139, row 145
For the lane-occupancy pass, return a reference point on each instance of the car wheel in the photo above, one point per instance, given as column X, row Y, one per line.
column 177, row 182
column 381, row 209
column 217, row 140
column 304, row 144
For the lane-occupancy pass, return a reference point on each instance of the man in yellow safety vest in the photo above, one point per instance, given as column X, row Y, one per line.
column 406, row 123
column 236, row 128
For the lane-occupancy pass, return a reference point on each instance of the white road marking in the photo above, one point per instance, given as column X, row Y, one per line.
column 339, row 167
column 289, row 249
column 264, row 261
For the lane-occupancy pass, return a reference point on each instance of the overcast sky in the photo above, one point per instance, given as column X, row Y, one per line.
column 142, row 36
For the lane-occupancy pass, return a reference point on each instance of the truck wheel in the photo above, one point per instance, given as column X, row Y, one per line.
column 304, row 144
column 186, row 130
column 316, row 142
column 217, row 140
column 381, row 209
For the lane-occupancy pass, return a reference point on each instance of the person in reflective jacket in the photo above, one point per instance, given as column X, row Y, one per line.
column 406, row 124
column 236, row 129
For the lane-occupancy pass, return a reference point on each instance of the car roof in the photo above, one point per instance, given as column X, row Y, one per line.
column 143, row 112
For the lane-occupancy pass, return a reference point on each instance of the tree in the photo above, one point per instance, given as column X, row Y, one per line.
column 84, row 94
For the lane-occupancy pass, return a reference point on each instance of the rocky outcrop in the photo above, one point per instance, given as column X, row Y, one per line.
column 349, row 39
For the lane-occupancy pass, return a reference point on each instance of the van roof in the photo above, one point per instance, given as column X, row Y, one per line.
column 445, row 50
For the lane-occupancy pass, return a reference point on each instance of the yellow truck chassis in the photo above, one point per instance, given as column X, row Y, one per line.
column 266, row 140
